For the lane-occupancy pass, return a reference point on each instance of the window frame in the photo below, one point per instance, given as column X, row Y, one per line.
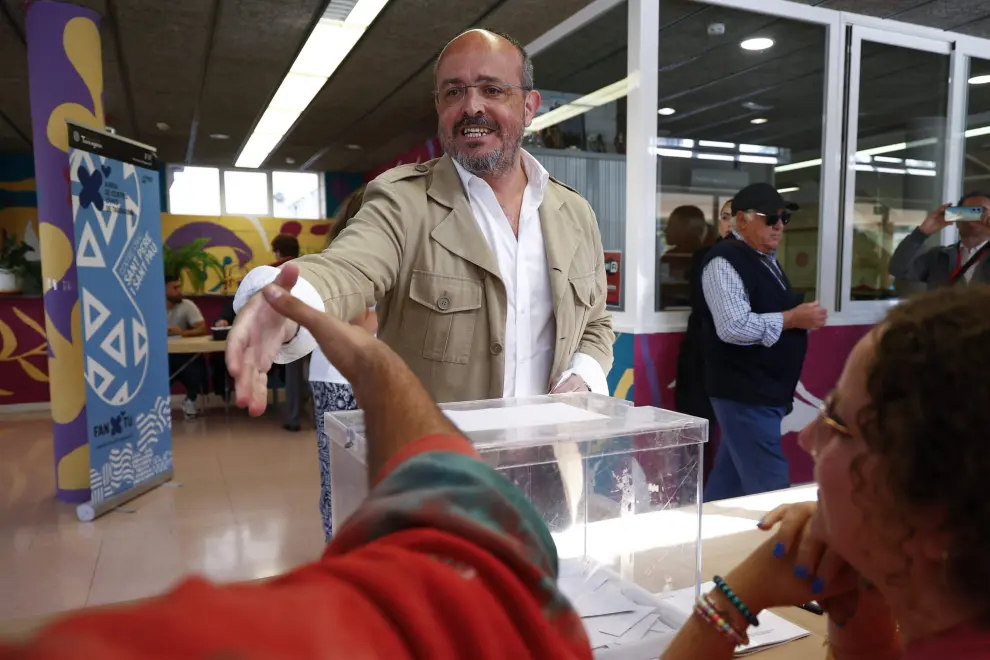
column 321, row 182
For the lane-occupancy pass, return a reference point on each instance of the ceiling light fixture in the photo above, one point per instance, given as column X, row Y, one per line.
column 666, row 112
column 577, row 107
column 325, row 48
column 162, row 126
column 219, row 136
column 979, row 80
column 759, row 120
column 783, row 191
column 353, row 147
column 757, row 43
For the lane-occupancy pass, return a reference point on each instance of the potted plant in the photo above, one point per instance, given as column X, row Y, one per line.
column 13, row 263
column 193, row 260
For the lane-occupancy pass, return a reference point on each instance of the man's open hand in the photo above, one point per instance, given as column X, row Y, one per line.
column 253, row 342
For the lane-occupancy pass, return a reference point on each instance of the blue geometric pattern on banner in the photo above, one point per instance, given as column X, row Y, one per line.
column 117, row 218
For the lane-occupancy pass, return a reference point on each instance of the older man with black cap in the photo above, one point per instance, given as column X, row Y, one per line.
column 756, row 335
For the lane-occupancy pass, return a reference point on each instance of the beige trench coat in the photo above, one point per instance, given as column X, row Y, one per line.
column 415, row 250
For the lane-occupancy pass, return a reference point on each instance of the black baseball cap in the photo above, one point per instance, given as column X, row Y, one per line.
column 760, row 197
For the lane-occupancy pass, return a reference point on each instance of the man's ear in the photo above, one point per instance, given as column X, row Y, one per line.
column 532, row 104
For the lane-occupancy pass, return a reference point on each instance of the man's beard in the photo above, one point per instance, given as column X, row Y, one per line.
column 175, row 300
column 495, row 162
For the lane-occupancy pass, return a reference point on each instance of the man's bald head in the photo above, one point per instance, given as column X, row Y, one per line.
column 482, row 39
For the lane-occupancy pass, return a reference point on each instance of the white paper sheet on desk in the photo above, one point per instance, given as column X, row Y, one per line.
column 489, row 419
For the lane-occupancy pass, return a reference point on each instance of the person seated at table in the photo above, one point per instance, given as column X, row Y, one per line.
column 185, row 320
column 896, row 548
column 444, row 559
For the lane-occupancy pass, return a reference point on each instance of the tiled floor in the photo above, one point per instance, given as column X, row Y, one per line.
column 243, row 505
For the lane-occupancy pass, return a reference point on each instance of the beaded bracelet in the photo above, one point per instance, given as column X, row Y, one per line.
column 734, row 599
column 706, row 611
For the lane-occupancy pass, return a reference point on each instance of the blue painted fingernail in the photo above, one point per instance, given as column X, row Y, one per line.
column 800, row 572
column 760, row 524
column 817, row 586
column 778, row 550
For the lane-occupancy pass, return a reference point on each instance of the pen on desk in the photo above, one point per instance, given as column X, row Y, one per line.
column 813, row 607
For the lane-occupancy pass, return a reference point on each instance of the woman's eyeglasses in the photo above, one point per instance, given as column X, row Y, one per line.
column 826, row 411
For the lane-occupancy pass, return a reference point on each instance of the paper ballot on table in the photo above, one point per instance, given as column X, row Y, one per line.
column 489, row 419
column 625, row 622
column 773, row 629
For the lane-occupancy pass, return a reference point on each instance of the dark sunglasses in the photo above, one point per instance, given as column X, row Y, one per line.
column 773, row 218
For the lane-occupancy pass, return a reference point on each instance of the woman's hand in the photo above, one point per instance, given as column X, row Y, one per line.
column 791, row 567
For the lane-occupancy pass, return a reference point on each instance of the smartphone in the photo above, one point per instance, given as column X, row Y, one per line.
column 964, row 214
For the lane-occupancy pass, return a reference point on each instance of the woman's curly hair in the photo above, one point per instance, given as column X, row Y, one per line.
column 928, row 420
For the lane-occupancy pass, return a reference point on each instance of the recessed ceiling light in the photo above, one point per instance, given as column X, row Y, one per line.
column 979, row 80
column 162, row 126
column 290, row 161
column 759, row 120
column 666, row 112
column 353, row 147
column 219, row 136
column 758, row 43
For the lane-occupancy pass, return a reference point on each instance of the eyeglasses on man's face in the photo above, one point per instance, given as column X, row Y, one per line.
column 773, row 218
column 490, row 91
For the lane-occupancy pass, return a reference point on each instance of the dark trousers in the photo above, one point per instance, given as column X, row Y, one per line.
column 749, row 459
column 190, row 370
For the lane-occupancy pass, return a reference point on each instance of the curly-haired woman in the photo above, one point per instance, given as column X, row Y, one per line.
column 896, row 549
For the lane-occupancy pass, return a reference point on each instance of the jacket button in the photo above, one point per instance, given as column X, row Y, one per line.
column 497, row 348
column 443, row 303
column 422, row 168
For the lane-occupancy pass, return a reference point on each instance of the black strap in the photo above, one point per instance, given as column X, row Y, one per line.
column 973, row 260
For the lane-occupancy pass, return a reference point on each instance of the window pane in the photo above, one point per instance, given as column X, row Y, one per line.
column 245, row 192
column 579, row 138
column 729, row 117
column 903, row 94
column 194, row 191
column 296, row 195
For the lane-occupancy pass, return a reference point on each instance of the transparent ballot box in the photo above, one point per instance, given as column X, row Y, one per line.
column 617, row 485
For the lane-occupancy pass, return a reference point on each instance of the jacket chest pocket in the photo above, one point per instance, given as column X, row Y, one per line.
column 585, row 288
column 442, row 315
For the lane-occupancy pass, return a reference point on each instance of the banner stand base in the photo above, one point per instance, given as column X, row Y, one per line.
column 89, row 512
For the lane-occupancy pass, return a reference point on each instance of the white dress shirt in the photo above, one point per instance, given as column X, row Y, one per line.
column 531, row 328
column 965, row 255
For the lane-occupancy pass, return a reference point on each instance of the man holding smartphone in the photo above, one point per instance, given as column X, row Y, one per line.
column 965, row 262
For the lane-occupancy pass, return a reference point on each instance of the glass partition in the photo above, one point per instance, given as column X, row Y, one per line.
column 741, row 100
column 976, row 163
column 579, row 132
column 898, row 102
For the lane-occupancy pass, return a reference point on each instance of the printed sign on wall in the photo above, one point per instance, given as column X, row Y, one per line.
column 118, row 242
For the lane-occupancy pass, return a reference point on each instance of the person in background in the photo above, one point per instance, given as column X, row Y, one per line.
column 895, row 549
column 686, row 232
column 690, row 395
column 285, row 247
column 725, row 218
column 940, row 266
column 444, row 559
column 331, row 391
column 756, row 335
column 185, row 320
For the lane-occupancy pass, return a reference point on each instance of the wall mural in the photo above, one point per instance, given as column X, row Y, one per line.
column 656, row 373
